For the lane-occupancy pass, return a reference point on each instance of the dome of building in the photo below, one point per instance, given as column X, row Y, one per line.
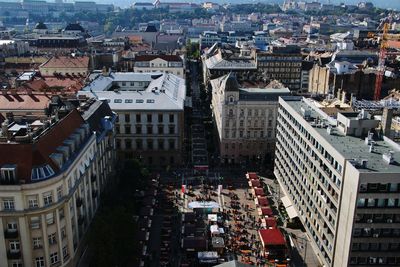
column 40, row 26
column 74, row 27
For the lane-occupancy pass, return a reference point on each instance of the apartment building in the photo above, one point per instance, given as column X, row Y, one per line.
column 160, row 63
column 150, row 108
column 52, row 177
column 343, row 179
column 245, row 117
column 283, row 64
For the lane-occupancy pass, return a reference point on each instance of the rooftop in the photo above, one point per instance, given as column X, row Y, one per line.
column 66, row 62
column 351, row 147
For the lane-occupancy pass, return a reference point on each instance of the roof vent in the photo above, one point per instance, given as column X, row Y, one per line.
column 371, row 147
column 329, row 130
column 388, row 157
column 306, row 113
column 368, row 139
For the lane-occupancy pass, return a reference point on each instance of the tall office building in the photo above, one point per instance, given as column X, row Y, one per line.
column 343, row 178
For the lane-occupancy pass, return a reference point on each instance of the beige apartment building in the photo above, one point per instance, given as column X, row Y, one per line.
column 343, row 179
column 51, row 179
column 245, row 118
column 160, row 63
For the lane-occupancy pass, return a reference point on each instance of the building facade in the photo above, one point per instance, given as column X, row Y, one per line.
column 244, row 119
column 160, row 63
column 283, row 64
column 342, row 178
column 51, row 181
column 150, row 108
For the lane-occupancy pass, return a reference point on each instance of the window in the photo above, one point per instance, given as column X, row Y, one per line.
column 35, row 222
column 8, row 204
column 230, row 112
column 63, row 233
column 118, row 144
column 150, row 144
column 160, row 129
column 138, row 129
column 48, row 198
column 150, row 129
column 160, row 144
column 8, row 174
column 127, row 118
column 61, row 213
column 14, row 246
column 149, row 118
column 241, row 123
column 54, row 258
column 160, row 117
column 32, row 202
column 16, row 263
column 39, row 261
column 37, row 242
column 128, row 144
column 171, row 118
column 138, row 118
column 171, row 144
column 171, row 129
column 127, row 129
column 12, row 226
column 50, row 218
column 65, row 252
column 52, row 238
column 139, row 144
column 391, row 202
column 60, row 192
column 371, row 202
column 269, row 134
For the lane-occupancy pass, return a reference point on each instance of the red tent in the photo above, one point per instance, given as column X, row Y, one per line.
column 255, row 183
column 259, row 191
column 266, row 211
column 251, row 175
column 262, row 201
column 270, row 222
column 271, row 237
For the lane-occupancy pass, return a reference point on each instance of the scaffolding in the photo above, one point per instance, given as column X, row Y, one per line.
column 390, row 103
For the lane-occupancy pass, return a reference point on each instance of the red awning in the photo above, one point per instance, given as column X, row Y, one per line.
column 266, row 211
column 272, row 237
column 251, row 175
column 259, row 191
column 255, row 183
column 262, row 201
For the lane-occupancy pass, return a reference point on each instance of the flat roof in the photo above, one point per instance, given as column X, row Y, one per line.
column 351, row 147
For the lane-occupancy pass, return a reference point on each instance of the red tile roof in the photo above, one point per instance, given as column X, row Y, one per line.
column 272, row 237
column 259, row 191
column 171, row 58
column 266, row 211
column 24, row 101
column 27, row 156
column 251, row 175
column 255, row 183
column 66, row 62
column 271, row 222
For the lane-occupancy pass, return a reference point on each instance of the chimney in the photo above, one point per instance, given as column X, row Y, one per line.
column 339, row 94
column 4, row 129
column 343, row 99
column 387, row 121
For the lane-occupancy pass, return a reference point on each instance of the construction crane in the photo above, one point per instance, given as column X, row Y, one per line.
column 381, row 62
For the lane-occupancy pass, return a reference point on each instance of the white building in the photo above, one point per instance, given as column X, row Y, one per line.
column 343, row 180
column 160, row 63
column 150, row 107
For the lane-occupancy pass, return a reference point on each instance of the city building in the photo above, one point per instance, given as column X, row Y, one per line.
column 142, row 6
column 150, row 108
column 218, row 62
column 283, row 64
column 160, row 63
column 342, row 177
column 66, row 66
column 245, row 117
column 52, row 177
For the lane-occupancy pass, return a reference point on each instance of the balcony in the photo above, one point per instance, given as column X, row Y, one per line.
column 93, row 178
column 94, row 193
column 81, row 220
column 14, row 254
column 11, row 233
column 79, row 202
